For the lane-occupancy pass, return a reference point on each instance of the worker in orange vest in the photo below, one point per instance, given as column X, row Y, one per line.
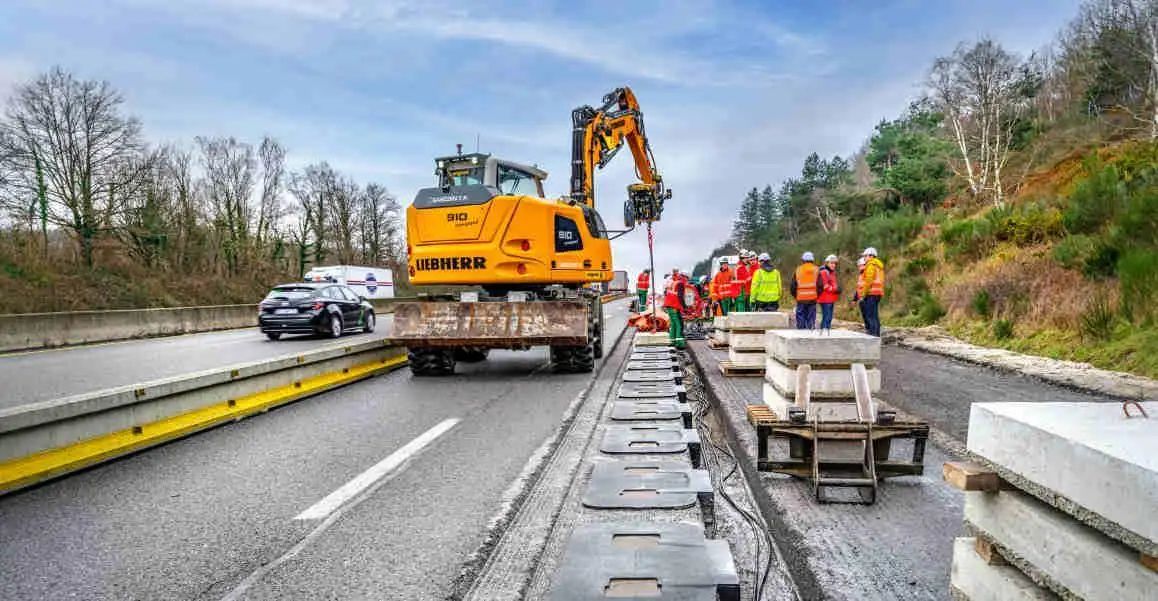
column 673, row 304
column 871, row 290
column 722, row 291
column 805, row 288
column 642, row 285
column 856, row 291
column 743, row 280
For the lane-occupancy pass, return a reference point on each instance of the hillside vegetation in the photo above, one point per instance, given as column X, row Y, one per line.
column 1014, row 204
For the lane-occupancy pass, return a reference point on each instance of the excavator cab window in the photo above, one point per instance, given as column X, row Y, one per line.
column 514, row 181
column 595, row 225
column 463, row 176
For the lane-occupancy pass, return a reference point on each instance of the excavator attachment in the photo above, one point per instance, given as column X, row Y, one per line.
column 516, row 325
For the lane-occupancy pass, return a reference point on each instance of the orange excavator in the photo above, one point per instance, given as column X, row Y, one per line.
column 528, row 259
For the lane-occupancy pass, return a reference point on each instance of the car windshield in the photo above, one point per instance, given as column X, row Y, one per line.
column 291, row 293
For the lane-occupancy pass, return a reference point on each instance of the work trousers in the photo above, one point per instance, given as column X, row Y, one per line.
column 675, row 327
column 725, row 305
column 741, row 303
column 826, row 315
column 871, row 309
column 766, row 307
column 805, row 315
column 642, row 300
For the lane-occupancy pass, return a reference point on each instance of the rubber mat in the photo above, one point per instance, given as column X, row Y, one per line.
column 645, row 561
column 646, row 485
column 650, row 438
column 647, row 409
column 652, row 375
column 654, row 364
column 650, row 390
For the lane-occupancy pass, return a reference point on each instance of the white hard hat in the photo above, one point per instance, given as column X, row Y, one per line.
column 807, row 256
column 723, row 260
column 686, row 274
column 860, row 262
column 765, row 257
column 870, row 251
column 830, row 259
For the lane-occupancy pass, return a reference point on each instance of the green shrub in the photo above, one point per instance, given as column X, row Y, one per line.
column 1073, row 250
column 919, row 265
column 967, row 238
column 1097, row 322
column 982, row 304
column 890, row 230
column 1138, row 279
column 1102, row 262
column 1096, row 199
column 930, row 309
column 1003, row 329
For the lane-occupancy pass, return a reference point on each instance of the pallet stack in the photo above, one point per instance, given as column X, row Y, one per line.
column 719, row 337
column 745, row 333
column 1061, row 502
column 829, row 357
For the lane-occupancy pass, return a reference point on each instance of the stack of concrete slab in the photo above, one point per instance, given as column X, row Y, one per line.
column 746, row 337
column 829, row 355
column 1061, row 504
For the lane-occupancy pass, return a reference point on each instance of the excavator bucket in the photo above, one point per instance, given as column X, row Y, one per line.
column 490, row 324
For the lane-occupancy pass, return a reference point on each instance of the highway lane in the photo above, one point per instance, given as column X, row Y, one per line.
column 42, row 375
column 197, row 518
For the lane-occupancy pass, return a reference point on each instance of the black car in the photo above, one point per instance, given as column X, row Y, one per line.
column 308, row 308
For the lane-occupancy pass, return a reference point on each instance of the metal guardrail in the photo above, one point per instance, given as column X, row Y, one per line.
column 50, row 438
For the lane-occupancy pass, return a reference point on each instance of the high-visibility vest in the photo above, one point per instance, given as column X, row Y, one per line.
column 874, row 278
column 643, row 282
column 723, row 284
column 859, row 280
column 671, row 296
column 743, row 278
column 766, row 286
column 806, row 282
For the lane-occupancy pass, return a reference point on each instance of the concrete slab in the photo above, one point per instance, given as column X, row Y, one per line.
column 747, row 341
column 1087, row 459
column 652, row 339
column 826, row 409
column 644, row 560
column 651, row 390
column 835, row 347
column 720, row 322
column 975, row 580
column 652, row 438
column 757, row 321
column 651, row 375
column 824, row 383
column 1057, row 551
column 746, row 358
column 646, row 485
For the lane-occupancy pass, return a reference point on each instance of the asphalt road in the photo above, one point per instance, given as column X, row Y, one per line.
column 212, row 516
column 941, row 390
column 49, row 374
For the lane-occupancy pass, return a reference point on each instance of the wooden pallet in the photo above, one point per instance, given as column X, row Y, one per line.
column 716, row 344
column 731, row 369
column 761, row 415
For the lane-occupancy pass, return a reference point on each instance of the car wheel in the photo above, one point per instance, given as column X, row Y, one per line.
column 369, row 325
column 335, row 326
column 273, row 335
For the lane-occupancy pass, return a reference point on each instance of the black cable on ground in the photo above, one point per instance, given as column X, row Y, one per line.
column 763, row 539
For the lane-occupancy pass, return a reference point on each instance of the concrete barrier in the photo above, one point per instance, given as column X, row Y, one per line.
column 23, row 331
column 46, row 439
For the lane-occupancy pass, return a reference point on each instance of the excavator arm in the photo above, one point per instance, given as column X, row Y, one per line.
column 597, row 135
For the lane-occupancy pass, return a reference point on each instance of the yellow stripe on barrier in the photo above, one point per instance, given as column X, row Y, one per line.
column 31, row 469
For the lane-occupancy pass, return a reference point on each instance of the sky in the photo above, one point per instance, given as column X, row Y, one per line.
column 734, row 93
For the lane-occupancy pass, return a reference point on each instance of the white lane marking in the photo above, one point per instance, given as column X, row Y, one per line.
column 392, row 462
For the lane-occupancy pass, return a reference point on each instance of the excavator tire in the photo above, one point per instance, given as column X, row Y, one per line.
column 431, row 362
column 471, row 355
column 581, row 359
column 597, row 343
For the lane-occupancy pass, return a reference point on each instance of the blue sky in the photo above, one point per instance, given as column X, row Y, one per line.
column 735, row 94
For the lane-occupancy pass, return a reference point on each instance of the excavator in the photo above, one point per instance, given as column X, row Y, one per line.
column 529, row 261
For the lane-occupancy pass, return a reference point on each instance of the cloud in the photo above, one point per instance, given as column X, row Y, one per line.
column 14, row 70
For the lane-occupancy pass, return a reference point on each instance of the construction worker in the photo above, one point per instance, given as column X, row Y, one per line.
column 705, row 296
column 829, row 291
column 871, row 291
column 766, row 286
column 856, row 292
column 743, row 280
column 805, row 289
column 642, row 285
column 722, row 287
column 673, row 305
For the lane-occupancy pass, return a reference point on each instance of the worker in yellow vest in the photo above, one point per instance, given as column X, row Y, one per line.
column 805, row 289
column 871, row 291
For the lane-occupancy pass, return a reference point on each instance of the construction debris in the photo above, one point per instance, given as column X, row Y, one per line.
column 1064, row 493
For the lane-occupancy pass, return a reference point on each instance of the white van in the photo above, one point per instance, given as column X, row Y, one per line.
column 369, row 282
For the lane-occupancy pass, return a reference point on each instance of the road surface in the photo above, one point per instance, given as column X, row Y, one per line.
column 54, row 373
column 265, row 508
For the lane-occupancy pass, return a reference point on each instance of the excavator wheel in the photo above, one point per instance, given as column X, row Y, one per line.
column 597, row 328
column 431, row 362
column 581, row 359
column 471, row 355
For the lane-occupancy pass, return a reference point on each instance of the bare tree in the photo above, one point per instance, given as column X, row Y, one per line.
column 71, row 135
column 315, row 187
column 980, row 90
column 380, row 227
column 343, row 205
column 228, row 167
column 272, row 157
